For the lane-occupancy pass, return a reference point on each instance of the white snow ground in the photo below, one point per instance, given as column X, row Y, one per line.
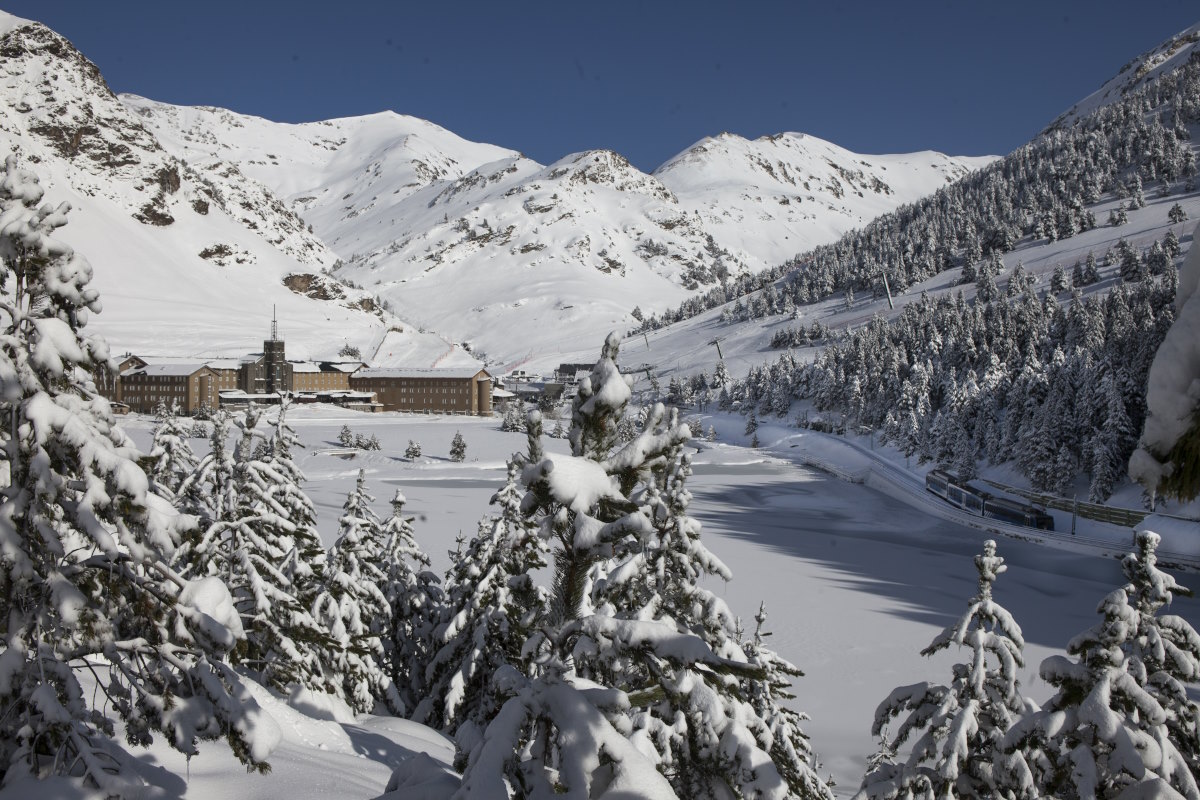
column 856, row 583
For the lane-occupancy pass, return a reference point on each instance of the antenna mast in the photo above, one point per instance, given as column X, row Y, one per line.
column 274, row 326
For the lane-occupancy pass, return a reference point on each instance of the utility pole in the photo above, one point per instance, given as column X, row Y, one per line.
column 717, row 342
column 888, row 289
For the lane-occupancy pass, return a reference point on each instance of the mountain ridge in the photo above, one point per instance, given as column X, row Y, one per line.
column 418, row 219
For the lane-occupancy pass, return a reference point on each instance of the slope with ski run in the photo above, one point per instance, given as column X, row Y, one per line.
column 687, row 347
column 161, row 296
column 519, row 259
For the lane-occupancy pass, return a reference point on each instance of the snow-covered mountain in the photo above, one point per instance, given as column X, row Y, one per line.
column 190, row 259
column 516, row 258
column 776, row 196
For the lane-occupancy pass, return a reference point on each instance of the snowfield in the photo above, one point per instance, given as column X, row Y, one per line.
column 856, row 583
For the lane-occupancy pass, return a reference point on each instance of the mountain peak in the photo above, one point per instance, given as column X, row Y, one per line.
column 9, row 22
column 1167, row 56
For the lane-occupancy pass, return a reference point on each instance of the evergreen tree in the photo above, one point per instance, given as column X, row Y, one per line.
column 84, row 546
column 352, row 605
column 458, row 447
column 720, row 377
column 413, row 451
column 628, row 622
column 513, row 420
column 1058, row 281
column 962, row 723
column 1177, row 215
column 1077, row 275
column 261, row 540
column 985, row 283
column 1165, row 655
column 492, row 606
column 171, row 457
column 1171, row 244
column 415, row 599
column 1091, row 272
column 346, row 436
column 1111, row 445
column 1130, row 265
column 1120, row 724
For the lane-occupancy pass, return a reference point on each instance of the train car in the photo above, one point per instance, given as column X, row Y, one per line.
column 1017, row 514
column 981, row 503
column 938, row 481
column 948, row 487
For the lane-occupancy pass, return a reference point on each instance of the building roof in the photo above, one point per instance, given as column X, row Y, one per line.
column 418, row 372
column 168, row 369
column 305, row 366
column 223, row 363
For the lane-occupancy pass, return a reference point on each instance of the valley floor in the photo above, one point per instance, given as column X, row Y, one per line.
column 856, row 583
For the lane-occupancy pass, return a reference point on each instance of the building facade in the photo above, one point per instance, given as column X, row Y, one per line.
column 453, row 390
column 190, row 386
column 321, row 376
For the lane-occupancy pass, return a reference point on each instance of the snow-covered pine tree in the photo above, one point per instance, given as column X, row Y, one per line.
column 458, row 447
column 261, row 540
column 1110, row 442
column 1058, row 281
column 955, row 729
column 346, row 436
column 1165, row 656
column 513, row 420
column 720, row 377
column 415, row 598
column 492, row 605
column 84, row 546
column 353, row 606
column 171, row 457
column 662, row 665
column 1120, row 724
column 413, row 451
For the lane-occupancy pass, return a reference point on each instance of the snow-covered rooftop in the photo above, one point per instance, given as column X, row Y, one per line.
column 223, row 363
column 418, row 372
column 187, row 368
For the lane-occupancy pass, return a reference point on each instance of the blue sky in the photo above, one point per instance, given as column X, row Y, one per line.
column 646, row 79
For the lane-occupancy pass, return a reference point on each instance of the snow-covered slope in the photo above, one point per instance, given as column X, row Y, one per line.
column 1169, row 55
column 189, row 259
column 337, row 168
column 771, row 198
column 489, row 247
